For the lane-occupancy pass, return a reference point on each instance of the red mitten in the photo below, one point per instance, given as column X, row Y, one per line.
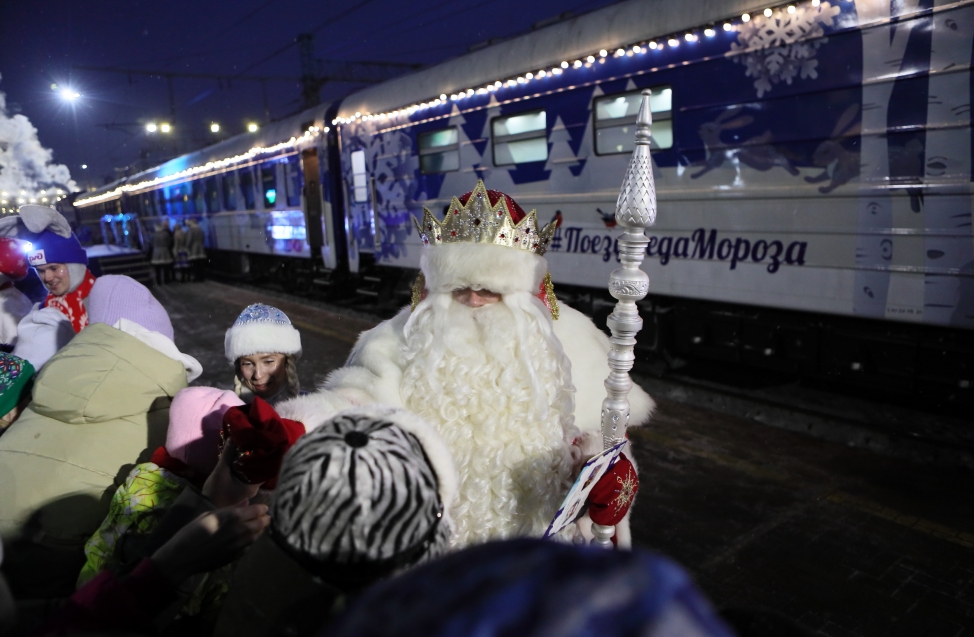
column 612, row 495
column 13, row 261
column 262, row 438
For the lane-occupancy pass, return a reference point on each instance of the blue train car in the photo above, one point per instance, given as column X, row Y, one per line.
column 811, row 158
column 260, row 197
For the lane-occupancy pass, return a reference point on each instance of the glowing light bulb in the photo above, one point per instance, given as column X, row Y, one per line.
column 603, row 53
column 815, row 3
column 564, row 65
column 151, row 128
column 590, row 59
column 746, row 17
column 709, row 32
column 768, row 12
column 728, row 27
column 252, row 127
column 673, row 42
column 620, row 52
column 689, row 37
column 577, row 63
column 165, row 128
column 653, row 45
column 214, row 128
column 791, row 8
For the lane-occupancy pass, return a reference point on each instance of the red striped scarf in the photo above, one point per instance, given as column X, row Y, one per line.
column 72, row 304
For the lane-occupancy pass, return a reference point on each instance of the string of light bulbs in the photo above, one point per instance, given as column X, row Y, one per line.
column 210, row 166
column 672, row 40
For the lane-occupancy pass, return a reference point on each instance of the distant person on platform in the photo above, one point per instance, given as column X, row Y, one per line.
column 162, row 253
column 264, row 348
column 196, row 241
column 180, row 250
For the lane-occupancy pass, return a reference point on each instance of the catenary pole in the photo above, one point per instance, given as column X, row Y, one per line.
column 635, row 211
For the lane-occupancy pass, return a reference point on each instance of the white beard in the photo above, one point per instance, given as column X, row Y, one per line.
column 496, row 384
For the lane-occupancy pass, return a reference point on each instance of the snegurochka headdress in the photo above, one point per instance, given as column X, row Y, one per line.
column 474, row 219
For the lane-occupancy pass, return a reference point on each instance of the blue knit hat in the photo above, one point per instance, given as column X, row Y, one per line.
column 533, row 587
column 51, row 238
column 261, row 328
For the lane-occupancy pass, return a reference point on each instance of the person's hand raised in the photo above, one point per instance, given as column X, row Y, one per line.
column 211, row 541
column 223, row 488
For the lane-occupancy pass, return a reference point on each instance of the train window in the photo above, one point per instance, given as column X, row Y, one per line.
column 213, row 194
column 439, row 151
column 199, row 197
column 268, row 184
column 359, row 178
column 520, row 138
column 247, row 187
column 292, row 179
column 615, row 121
column 230, row 182
column 162, row 206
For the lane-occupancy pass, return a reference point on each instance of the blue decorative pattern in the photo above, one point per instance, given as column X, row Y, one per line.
column 260, row 313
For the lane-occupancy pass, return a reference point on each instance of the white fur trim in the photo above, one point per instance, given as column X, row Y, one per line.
column 161, row 343
column 587, row 347
column 259, row 337
column 482, row 266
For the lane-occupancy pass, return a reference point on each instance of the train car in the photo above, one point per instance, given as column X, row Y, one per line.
column 262, row 198
column 812, row 164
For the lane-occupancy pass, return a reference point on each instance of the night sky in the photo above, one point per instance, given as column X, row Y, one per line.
column 42, row 41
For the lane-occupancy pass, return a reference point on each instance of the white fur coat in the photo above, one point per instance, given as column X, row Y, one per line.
column 374, row 369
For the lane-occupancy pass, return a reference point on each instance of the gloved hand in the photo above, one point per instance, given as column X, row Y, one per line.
column 262, row 438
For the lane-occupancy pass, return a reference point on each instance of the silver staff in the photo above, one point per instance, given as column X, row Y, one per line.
column 635, row 211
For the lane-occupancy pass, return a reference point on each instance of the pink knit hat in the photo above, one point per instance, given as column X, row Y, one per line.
column 195, row 418
column 116, row 296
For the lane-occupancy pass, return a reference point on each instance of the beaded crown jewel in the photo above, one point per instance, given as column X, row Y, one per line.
column 479, row 221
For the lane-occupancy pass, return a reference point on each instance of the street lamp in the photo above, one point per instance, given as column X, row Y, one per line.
column 214, row 128
column 252, row 127
column 151, row 127
column 165, row 128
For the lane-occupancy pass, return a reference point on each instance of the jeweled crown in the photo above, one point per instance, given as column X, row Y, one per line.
column 479, row 221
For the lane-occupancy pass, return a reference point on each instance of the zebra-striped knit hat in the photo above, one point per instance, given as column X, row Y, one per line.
column 364, row 495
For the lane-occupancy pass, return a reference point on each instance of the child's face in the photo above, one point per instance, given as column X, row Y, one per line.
column 265, row 373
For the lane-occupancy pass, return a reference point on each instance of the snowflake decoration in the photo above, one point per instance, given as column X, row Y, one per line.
column 626, row 492
column 783, row 46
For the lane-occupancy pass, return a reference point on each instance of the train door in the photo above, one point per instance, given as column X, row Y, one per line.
column 312, row 203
